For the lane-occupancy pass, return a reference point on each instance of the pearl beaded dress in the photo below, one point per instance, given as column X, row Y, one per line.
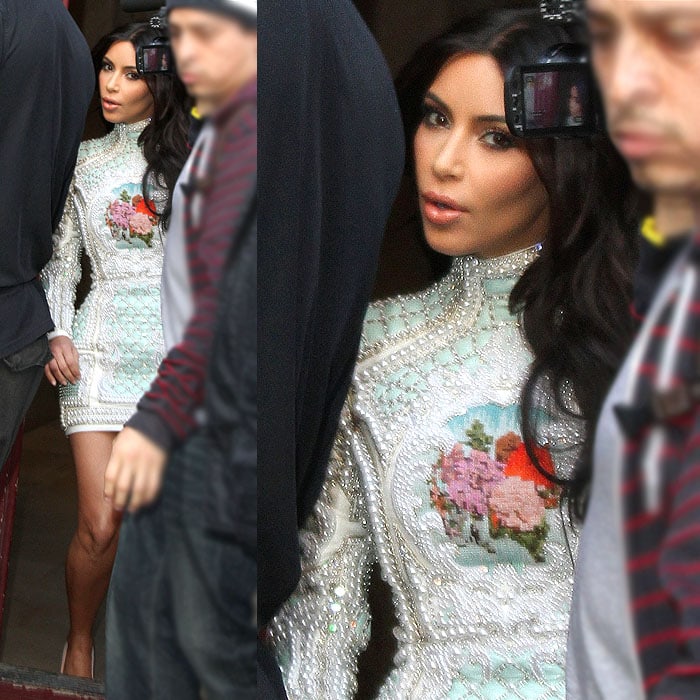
column 429, row 477
column 117, row 330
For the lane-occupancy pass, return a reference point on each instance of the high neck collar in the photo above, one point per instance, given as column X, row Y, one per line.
column 509, row 266
column 132, row 130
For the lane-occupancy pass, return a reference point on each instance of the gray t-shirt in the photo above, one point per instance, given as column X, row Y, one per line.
column 602, row 663
column 176, row 300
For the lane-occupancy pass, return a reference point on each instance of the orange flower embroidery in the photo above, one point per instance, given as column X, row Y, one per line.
column 142, row 205
column 519, row 464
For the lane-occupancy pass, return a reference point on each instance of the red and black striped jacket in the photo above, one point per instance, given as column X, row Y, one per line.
column 661, row 490
column 166, row 413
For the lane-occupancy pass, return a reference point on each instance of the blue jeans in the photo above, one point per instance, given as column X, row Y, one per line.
column 180, row 605
column 20, row 375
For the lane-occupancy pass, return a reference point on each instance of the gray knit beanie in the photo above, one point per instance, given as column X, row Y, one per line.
column 244, row 10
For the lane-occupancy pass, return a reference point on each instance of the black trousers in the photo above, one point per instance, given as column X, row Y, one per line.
column 20, row 375
column 180, row 610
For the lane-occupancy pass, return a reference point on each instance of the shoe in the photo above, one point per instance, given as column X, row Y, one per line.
column 92, row 661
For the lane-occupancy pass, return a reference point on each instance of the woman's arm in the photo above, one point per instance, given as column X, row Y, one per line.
column 324, row 626
column 60, row 278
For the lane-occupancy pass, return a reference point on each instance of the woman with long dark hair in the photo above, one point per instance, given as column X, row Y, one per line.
column 105, row 355
column 433, row 473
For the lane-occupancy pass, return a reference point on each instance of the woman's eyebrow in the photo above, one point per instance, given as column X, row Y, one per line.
column 434, row 98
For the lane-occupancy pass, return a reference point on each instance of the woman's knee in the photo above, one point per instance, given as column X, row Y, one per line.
column 97, row 535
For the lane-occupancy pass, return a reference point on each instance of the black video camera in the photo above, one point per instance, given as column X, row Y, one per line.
column 558, row 95
column 155, row 57
column 563, row 11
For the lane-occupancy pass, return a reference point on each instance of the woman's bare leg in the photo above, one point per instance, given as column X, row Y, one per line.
column 92, row 550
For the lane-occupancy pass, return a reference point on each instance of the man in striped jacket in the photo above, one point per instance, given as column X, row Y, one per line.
column 180, row 607
column 635, row 621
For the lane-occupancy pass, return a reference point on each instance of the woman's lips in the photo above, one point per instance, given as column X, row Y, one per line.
column 109, row 105
column 440, row 210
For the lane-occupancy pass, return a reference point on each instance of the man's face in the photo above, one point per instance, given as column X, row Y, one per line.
column 646, row 54
column 215, row 55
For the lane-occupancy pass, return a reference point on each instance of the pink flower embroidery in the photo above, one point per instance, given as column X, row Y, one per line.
column 470, row 480
column 140, row 224
column 129, row 219
column 516, row 504
column 120, row 212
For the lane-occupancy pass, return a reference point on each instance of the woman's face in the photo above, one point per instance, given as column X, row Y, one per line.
column 478, row 190
column 575, row 106
column 124, row 95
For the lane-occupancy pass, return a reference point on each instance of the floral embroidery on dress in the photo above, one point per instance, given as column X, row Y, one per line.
column 484, row 492
column 130, row 218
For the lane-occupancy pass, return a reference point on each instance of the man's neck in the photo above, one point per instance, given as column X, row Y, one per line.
column 207, row 106
column 676, row 215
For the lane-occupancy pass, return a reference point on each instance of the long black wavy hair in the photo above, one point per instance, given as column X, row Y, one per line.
column 164, row 140
column 574, row 299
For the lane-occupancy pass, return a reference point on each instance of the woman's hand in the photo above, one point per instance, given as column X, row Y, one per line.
column 64, row 367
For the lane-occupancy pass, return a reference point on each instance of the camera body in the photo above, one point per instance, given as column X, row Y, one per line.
column 555, row 97
column 155, row 57
column 558, row 95
column 562, row 11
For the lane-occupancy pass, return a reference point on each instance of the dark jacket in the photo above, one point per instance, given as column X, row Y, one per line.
column 231, row 395
column 331, row 156
column 46, row 82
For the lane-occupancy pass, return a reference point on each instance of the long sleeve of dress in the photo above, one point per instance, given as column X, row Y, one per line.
column 62, row 273
column 323, row 627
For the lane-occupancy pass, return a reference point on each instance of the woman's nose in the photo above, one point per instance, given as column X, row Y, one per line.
column 448, row 162
column 113, row 83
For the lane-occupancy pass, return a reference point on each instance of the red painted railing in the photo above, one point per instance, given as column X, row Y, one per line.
column 9, row 476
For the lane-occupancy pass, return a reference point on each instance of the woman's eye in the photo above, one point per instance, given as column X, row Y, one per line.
column 133, row 76
column 433, row 117
column 106, row 66
column 497, row 139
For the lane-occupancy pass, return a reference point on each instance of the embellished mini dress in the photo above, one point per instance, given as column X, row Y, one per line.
column 429, row 476
column 117, row 330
